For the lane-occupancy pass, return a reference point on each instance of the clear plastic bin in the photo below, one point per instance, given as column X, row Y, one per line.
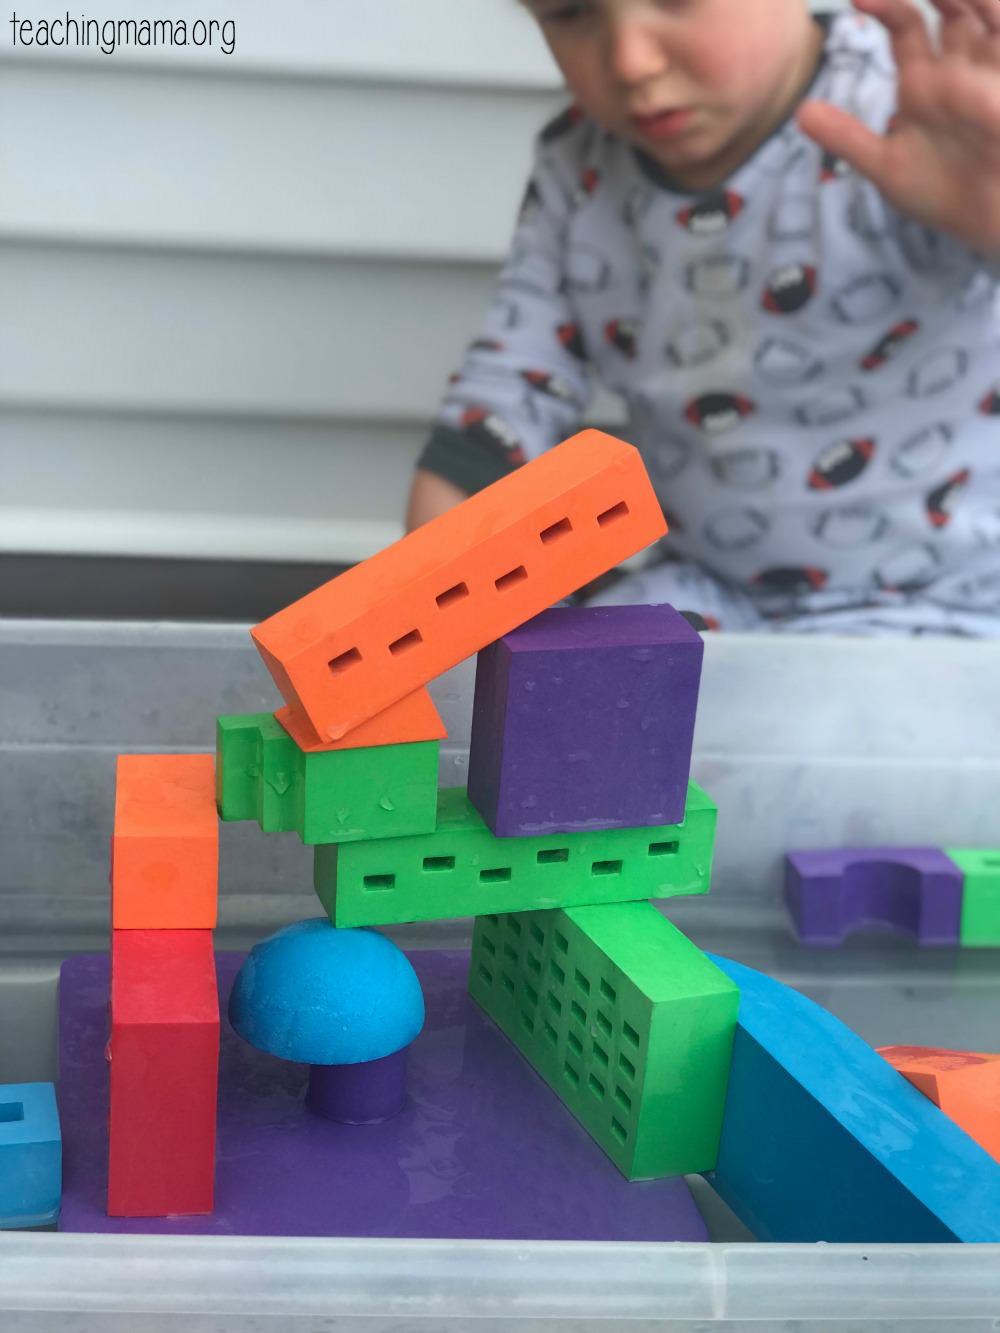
column 800, row 742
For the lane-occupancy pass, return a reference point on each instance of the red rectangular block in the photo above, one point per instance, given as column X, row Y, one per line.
column 165, row 844
column 163, row 1057
column 356, row 645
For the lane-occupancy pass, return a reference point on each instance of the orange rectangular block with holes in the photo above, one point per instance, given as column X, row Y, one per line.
column 165, row 844
column 359, row 643
column 163, row 1059
column 412, row 720
column 964, row 1084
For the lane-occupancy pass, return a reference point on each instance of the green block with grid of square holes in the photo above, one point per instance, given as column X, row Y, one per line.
column 626, row 1020
column 463, row 869
column 980, row 923
column 380, row 792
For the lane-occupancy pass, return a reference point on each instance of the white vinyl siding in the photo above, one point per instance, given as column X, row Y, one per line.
column 232, row 287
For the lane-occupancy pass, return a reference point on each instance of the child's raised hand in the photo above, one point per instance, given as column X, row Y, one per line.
column 940, row 162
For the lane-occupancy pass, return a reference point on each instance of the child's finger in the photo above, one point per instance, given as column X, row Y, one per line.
column 974, row 106
column 843, row 135
column 986, row 49
column 911, row 38
column 987, row 12
column 962, row 30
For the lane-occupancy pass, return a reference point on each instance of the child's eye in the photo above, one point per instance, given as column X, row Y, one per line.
column 566, row 14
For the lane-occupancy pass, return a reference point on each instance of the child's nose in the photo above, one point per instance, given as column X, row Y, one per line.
column 637, row 51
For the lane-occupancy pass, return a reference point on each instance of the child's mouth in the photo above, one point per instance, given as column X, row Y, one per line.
column 664, row 124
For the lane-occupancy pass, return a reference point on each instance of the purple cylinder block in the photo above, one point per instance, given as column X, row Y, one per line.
column 584, row 719
column 916, row 891
column 362, row 1094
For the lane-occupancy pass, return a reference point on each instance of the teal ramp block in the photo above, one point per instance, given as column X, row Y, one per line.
column 30, row 1155
column 823, row 1141
column 463, row 869
column 381, row 791
column 626, row 1020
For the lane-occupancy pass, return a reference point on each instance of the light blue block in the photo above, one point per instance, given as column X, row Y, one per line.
column 822, row 1140
column 30, row 1155
column 324, row 996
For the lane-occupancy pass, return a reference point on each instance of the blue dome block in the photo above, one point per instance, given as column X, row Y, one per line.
column 323, row 996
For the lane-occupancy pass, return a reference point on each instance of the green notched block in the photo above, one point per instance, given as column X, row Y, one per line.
column 382, row 791
column 463, row 869
column 237, row 765
column 626, row 1020
column 980, row 927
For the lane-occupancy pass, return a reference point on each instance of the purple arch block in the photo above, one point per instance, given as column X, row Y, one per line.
column 915, row 891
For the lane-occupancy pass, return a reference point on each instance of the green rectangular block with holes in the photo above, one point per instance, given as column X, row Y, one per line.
column 980, row 923
column 380, row 792
column 463, row 869
column 626, row 1020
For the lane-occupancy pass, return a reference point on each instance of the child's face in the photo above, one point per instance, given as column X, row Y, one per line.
column 733, row 67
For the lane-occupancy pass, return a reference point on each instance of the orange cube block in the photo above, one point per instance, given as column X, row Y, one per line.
column 377, row 632
column 413, row 719
column 165, row 844
column 964, row 1084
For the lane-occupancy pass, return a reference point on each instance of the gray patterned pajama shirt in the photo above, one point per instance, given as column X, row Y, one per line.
column 813, row 379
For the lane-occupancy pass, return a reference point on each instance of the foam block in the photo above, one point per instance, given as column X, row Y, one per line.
column 30, row 1155
column 964, row 1084
column 584, row 719
column 625, row 1019
column 165, row 844
column 463, row 870
column 361, row 642
column 916, row 891
column 353, row 994
column 980, row 926
column 164, row 1060
column 481, row 1151
column 822, row 1141
column 337, row 794
column 414, row 718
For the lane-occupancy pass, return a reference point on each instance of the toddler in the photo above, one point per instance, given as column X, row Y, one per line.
column 775, row 237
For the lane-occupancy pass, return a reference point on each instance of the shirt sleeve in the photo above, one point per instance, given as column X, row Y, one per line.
column 524, row 382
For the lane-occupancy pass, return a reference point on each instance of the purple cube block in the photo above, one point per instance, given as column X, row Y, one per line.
column 584, row 719
column 916, row 891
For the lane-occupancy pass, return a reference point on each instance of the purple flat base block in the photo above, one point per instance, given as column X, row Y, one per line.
column 363, row 1094
column 916, row 891
column 583, row 719
column 482, row 1149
